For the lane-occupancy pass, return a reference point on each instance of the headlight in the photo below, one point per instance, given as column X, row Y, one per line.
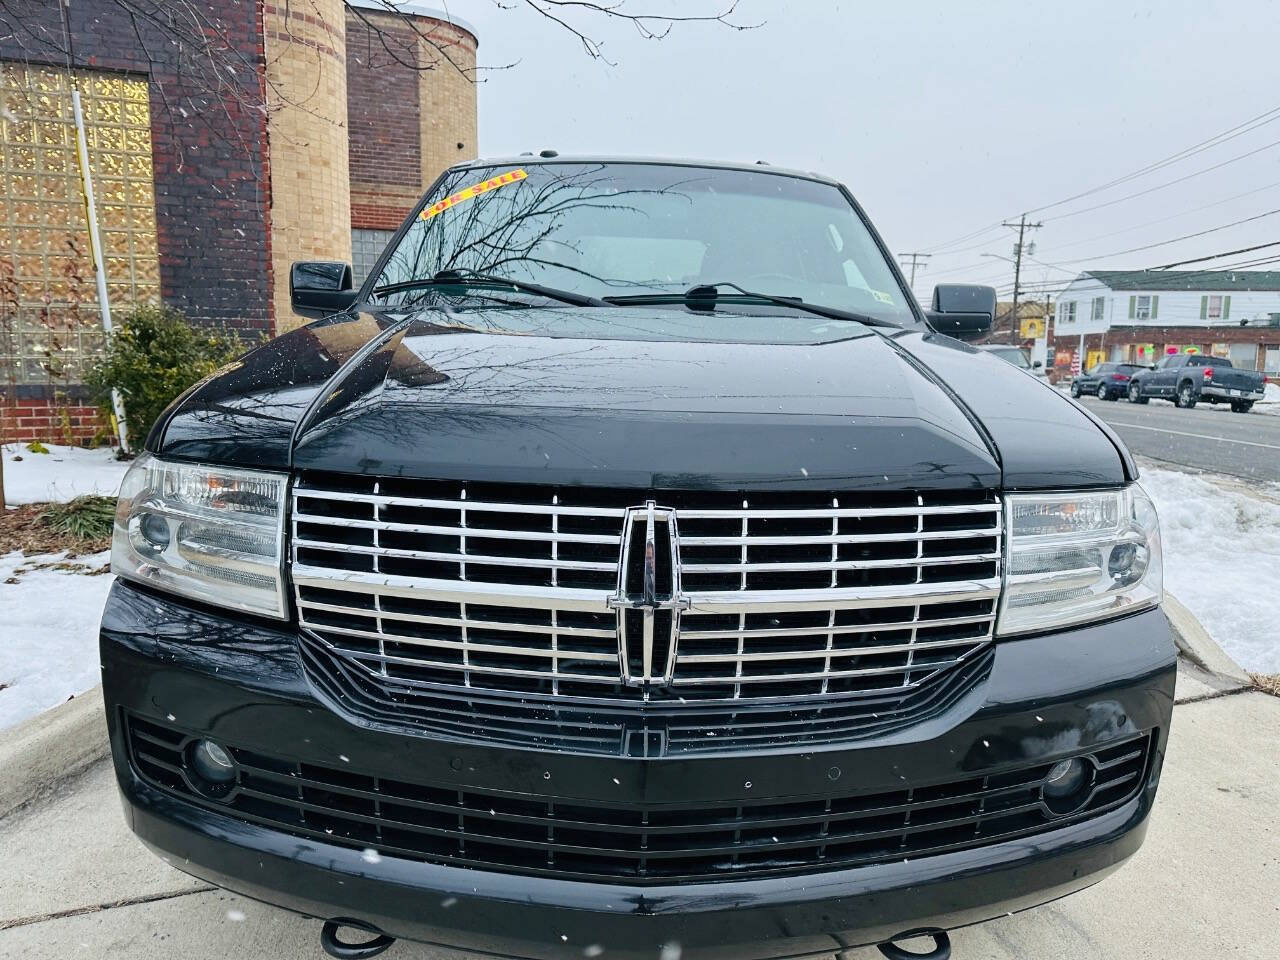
column 1076, row 557
column 211, row 533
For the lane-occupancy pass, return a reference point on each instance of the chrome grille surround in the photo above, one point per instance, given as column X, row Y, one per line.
column 438, row 584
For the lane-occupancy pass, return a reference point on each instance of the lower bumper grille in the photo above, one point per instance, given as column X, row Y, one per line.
column 632, row 843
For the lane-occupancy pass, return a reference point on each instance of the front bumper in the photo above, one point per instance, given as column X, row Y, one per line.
column 242, row 683
column 1227, row 393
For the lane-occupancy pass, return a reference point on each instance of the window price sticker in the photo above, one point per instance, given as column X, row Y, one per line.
column 473, row 191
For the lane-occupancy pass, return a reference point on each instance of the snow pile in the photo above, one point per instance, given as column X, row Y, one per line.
column 49, row 641
column 1221, row 555
column 1270, row 402
column 63, row 473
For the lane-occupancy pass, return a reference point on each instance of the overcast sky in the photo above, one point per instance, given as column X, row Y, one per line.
column 942, row 117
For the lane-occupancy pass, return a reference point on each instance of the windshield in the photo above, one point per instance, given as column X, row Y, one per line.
column 1012, row 355
column 627, row 229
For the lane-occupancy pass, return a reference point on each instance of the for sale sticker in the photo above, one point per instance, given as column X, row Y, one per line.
column 473, row 191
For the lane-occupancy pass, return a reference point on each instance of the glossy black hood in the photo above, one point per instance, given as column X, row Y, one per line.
column 649, row 398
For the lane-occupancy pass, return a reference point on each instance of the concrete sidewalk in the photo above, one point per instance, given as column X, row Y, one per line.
column 74, row 882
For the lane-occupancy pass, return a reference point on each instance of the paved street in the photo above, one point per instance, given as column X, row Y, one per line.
column 1205, row 438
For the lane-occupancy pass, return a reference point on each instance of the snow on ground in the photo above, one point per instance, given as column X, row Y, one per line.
column 63, row 473
column 49, row 641
column 1221, row 554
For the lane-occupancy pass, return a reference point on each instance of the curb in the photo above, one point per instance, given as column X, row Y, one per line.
column 50, row 747
column 1194, row 643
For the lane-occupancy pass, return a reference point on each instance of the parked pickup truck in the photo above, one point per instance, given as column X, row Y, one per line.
column 1188, row 378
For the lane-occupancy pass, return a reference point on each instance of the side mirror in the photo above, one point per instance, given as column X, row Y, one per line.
column 962, row 310
column 318, row 288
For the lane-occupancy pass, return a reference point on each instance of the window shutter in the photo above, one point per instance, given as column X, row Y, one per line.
column 1204, row 308
column 1226, row 307
column 1155, row 305
column 1133, row 307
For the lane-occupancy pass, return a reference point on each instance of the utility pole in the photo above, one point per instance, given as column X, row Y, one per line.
column 915, row 262
column 1048, row 343
column 1018, row 249
column 91, row 217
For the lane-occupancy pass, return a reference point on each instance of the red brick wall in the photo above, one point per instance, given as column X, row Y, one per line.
column 71, row 421
column 383, row 119
column 392, row 151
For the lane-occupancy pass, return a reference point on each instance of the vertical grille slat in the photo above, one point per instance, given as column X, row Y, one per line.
column 507, row 588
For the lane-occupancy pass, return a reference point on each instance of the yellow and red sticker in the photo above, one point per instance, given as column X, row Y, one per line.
column 473, row 191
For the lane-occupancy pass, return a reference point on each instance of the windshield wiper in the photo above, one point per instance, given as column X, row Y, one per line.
column 705, row 295
column 462, row 278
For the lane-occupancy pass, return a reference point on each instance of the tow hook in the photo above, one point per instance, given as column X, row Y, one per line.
column 941, row 945
column 353, row 951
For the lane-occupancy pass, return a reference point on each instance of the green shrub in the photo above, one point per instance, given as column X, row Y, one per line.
column 88, row 518
column 152, row 356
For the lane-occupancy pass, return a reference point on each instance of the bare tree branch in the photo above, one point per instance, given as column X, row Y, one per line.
column 202, row 75
column 650, row 26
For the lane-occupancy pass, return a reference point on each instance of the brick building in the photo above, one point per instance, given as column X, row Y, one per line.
column 1139, row 316
column 322, row 126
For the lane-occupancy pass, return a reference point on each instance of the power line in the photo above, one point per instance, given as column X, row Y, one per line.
column 1181, row 276
column 1262, row 119
column 1060, row 265
column 1217, row 256
column 1172, row 216
column 1231, row 133
column 1162, row 186
column 1165, row 243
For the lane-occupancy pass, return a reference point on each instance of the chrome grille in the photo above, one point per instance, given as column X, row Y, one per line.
column 420, row 584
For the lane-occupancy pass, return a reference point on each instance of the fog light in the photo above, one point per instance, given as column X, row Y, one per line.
column 212, row 762
column 1066, row 785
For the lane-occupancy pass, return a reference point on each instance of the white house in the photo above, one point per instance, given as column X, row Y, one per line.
column 1141, row 315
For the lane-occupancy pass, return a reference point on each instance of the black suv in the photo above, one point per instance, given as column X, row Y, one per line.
column 631, row 568
column 1106, row 381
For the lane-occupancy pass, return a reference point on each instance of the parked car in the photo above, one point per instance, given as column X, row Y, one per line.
column 611, row 575
column 1016, row 356
column 1188, row 378
column 1106, row 381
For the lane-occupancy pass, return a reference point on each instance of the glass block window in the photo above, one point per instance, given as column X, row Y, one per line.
column 366, row 247
column 49, row 322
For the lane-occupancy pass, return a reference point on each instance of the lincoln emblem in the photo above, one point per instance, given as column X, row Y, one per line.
column 648, row 599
